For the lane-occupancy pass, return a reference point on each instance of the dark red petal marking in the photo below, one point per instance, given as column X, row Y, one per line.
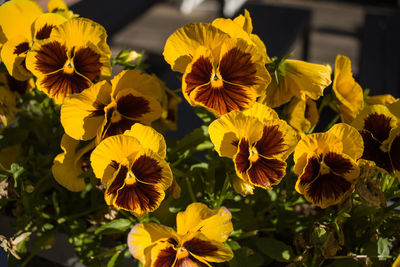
column 98, row 109
column 373, row 152
column 60, row 83
column 223, row 99
column 116, row 128
column 236, row 67
column 242, row 158
column 21, row 48
column 17, row 86
column 395, row 153
column 337, row 163
column 165, row 257
column 271, row 142
column 199, row 75
column 133, row 106
column 51, row 57
column 378, row 125
column 87, row 62
column 200, row 247
column 140, row 196
column 266, row 172
column 44, row 32
column 311, row 171
column 147, row 170
column 327, row 186
column 118, row 181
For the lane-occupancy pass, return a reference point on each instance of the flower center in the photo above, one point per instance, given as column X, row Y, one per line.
column 182, row 252
column 253, row 156
column 324, row 169
column 68, row 67
column 216, row 80
column 130, row 178
column 115, row 116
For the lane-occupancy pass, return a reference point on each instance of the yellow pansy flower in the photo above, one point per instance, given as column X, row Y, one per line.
column 347, row 90
column 257, row 141
column 302, row 115
column 74, row 57
column 379, row 127
column 104, row 110
column 133, row 168
column 295, row 78
column 198, row 240
column 69, row 165
column 222, row 72
column 326, row 164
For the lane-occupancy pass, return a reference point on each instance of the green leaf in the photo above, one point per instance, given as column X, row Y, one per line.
column 16, row 170
column 383, row 248
column 246, row 257
column 113, row 227
column 116, row 260
column 275, row 249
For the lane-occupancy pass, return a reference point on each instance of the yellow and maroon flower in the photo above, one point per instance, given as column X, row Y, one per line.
column 326, row 164
column 133, row 168
column 295, row 78
column 198, row 240
column 104, row 110
column 379, row 127
column 258, row 141
column 74, row 57
column 69, row 165
column 347, row 90
column 223, row 71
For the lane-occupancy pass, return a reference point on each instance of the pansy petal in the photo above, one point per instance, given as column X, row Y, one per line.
column 261, row 112
column 214, row 224
column 164, row 254
column 16, row 18
column 56, row 5
column 206, row 249
column 346, row 89
column 149, row 138
column 13, row 55
column 44, row 24
column 395, row 108
column 83, row 114
column 89, row 31
column 241, row 187
column 115, row 148
column 144, row 236
column 133, row 105
column 68, row 166
column 353, row 144
column 182, row 44
column 144, row 83
column 385, row 99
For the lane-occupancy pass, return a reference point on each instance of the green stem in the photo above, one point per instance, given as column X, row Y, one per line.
column 223, row 192
column 190, row 189
column 333, row 121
